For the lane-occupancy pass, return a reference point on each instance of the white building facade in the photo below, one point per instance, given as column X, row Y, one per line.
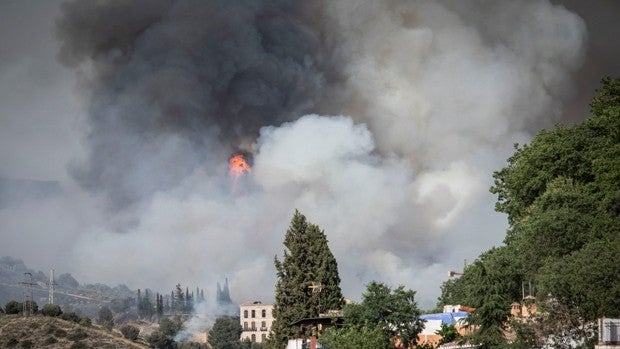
column 256, row 320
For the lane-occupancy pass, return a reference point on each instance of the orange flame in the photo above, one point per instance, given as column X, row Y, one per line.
column 238, row 166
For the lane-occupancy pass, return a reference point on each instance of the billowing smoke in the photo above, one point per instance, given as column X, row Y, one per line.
column 382, row 121
column 184, row 83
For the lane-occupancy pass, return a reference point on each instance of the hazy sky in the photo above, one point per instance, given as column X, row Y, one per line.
column 382, row 121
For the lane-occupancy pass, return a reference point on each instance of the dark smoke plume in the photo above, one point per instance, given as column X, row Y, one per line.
column 185, row 82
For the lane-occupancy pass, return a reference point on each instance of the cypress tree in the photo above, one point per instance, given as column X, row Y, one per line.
column 147, row 306
column 140, row 312
column 308, row 281
column 160, row 306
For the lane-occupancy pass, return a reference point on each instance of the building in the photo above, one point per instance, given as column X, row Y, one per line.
column 256, row 320
column 525, row 310
column 454, row 315
column 608, row 334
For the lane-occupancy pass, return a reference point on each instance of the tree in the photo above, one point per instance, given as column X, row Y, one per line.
column 365, row 336
column 29, row 307
column 160, row 306
column 188, row 300
column 170, row 327
column 159, row 340
column 225, row 333
column 12, row 307
column 130, row 332
column 308, row 280
column 561, row 193
column 146, row 307
column 395, row 311
column 448, row 333
column 106, row 318
column 178, row 299
column 51, row 310
column 70, row 316
column 248, row 344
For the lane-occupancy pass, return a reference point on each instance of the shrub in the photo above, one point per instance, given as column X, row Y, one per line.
column 71, row 316
column 85, row 321
column 27, row 344
column 12, row 342
column 130, row 332
column 158, row 339
column 59, row 332
column 169, row 327
column 12, row 307
column 32, row 305
column 50, row 340
column 78, row 345
column 49, row 328
column 77, row 335
column 106, row 318
column 51, row 310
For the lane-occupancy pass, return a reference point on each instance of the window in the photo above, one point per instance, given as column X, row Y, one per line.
column 253, row 313
column 264, row 313
column 253, row 326
column 253, row 338
column 264, row 337
column 245, row 325
column 245, row 314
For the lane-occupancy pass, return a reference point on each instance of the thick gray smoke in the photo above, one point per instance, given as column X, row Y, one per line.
column 382, row 121
column 184, row 83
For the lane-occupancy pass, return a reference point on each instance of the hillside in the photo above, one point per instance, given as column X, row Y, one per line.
column 84, row 299
column 48, row 332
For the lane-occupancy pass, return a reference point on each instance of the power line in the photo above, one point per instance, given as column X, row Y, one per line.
column 28, row 305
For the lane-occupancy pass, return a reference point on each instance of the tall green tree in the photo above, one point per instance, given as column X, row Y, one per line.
column 394, row 311
column 308, row 280
column 178, row 299
column 225, row 333
column 147, row 306
column 561, row 193
column 160, row 306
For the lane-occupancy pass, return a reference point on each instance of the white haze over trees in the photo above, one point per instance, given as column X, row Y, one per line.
column 381, row 121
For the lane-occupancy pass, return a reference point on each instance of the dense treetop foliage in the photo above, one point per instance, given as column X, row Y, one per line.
column 308, row 280
column 561, row 193
column 225, row 333
column 394, row 312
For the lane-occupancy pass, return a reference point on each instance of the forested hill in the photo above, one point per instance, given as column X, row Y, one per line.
column 561, row 194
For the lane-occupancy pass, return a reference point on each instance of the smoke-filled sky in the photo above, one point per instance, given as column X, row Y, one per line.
column 381, row 121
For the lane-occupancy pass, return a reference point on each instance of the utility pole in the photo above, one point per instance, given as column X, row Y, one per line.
column 50, row 297
column 28, row 294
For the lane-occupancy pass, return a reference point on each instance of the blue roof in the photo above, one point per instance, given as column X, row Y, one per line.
column 446, row 318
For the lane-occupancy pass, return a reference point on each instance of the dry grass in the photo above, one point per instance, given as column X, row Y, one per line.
column 51, row 333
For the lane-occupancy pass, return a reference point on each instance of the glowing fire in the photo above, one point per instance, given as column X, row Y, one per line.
column 238, row 166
